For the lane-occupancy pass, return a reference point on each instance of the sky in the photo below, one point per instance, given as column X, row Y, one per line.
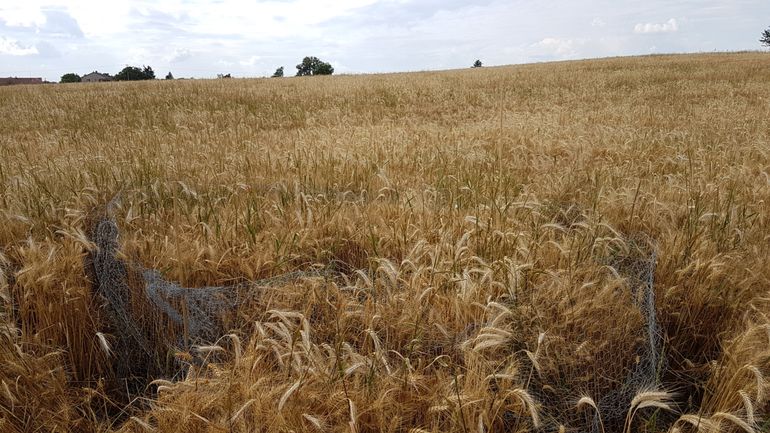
column 203, row 38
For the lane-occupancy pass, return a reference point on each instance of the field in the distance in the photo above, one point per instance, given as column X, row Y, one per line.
column 579, row 246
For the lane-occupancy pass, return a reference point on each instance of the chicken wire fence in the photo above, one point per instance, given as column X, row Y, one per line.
column 151, row 318
column 619, row 371
column 638, row 268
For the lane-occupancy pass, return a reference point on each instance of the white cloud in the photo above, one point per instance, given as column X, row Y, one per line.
column 139, row 56
column 669, row 26
column 12, row 47
column 179, row 55
column 251, row 61
column 24, row 15
column 262, row 20
column 598, row 22
column 557, row 46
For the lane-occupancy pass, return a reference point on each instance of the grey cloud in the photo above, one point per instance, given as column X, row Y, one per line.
column 156, row 21
column 47, row 50
column 12, row 47
column 403, row 14
column 58, row 22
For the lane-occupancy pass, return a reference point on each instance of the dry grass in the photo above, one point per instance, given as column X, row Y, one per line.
column 483, row 221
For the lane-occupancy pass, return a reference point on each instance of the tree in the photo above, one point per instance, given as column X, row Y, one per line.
column 148, row 73
column 70, row 78
column 314, row 66
column 169, row 76
column 477, row 64
column 129, row 73
column 765, row 38
column 133, row 73
column 278, row 73
column 324, row 69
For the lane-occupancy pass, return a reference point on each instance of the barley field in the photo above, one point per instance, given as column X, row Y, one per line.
column 562, row 247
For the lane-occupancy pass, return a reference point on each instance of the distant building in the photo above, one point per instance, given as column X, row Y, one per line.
column 9, row 81
column 95, row 77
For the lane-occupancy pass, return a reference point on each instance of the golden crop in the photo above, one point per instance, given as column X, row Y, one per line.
column 489, row 231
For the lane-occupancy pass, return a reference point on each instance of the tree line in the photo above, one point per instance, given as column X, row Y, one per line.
column 308, row 67
column 129, row 73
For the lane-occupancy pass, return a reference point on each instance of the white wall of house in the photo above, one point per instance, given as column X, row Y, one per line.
column 95, row 77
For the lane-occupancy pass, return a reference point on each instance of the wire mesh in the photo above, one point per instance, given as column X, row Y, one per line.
column 152, row 318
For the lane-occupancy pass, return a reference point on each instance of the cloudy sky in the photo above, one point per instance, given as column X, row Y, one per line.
column 251, row 38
